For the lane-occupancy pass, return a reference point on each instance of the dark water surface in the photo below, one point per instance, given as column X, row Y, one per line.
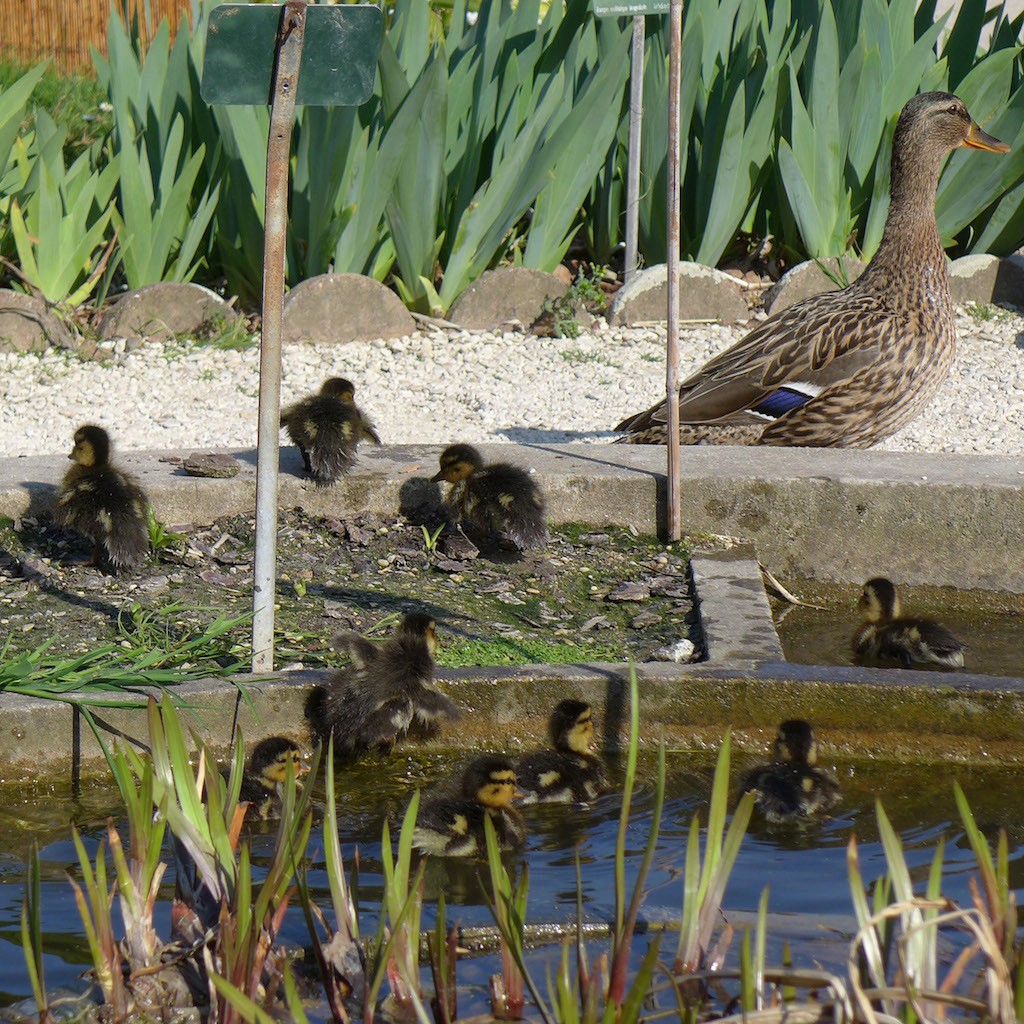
column 805, row 868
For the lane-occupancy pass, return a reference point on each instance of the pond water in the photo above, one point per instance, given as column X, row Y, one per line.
column 805, row 868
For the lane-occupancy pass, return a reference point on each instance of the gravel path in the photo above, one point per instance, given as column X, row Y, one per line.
column 439, row 387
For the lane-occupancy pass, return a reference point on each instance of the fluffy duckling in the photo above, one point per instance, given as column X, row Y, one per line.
column 791, row 786
column 569, row 773
column 385, row 692
column 103, row 502
column 499, row 499
column 265, row 773
column 885, row 633
column 327, row 427
column 453, row 826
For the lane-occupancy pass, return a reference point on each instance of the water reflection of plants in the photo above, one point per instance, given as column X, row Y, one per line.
column 914, row 956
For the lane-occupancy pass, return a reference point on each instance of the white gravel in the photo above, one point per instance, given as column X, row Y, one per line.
column 437, row 387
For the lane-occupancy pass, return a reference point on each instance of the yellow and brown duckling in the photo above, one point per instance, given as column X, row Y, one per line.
column 497, row 500
column 385, row 693
column 848, row 368
column 887, row 634
column 327, row 428
column 791, row 786
column 570, row 772
column 452, row 825
column 104, row 503
column 265, row 773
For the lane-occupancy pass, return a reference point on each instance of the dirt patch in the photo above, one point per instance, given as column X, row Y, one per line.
column 589, row 595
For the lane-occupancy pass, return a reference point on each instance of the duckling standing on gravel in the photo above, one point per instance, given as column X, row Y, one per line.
column 453, row 825
column 499, row 500
column 570, row 772
column 327, row 427
column 265, row 774
column 885, row 633
column 791, row 786
column 385, row 693
column 103, row 502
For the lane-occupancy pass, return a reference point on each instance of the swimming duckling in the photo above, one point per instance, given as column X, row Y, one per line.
column 791, row 786
column 453, row 826
column 885, row 633
column 326, row 428
column 570, row 773
column 105, row 503
column 499, row 499
column 265, row 773
column 385, row 692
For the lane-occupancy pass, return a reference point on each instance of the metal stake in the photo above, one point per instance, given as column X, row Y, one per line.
column 672, row 338
column 636, row 113
column 275, row 221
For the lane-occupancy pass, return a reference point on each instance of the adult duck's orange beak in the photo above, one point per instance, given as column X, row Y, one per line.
column 977, row 138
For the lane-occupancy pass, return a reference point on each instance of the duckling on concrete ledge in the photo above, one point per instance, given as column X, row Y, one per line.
column 385, row 693
column 885, row 633
column 570, row 772
column 327, row 427
column 103, row 502
column 453, row 825
column 791, row 786
column 265, row 773
column 497, row 501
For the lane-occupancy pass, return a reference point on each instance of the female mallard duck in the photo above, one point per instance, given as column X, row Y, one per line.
column 103, row 502
column 885, row 633
column 499, row 500
column 791, row 786
column 265, row 774
column 569, row 773
column 326, row 428
column 453, row 826
column 385, row 692
column 846, row 369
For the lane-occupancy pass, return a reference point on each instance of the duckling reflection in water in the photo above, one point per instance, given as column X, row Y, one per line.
column 791, row 786
column 451, row 824
column 385, row 693
column 498, row 501
column 570, row 772
column 885, row 633
column 265, row 773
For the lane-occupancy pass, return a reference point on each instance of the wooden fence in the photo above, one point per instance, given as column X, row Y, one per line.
column 66, row 29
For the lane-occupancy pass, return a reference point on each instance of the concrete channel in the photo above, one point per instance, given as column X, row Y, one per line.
column 941, row 520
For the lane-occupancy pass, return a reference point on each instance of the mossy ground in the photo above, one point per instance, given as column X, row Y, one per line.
column 357, row 573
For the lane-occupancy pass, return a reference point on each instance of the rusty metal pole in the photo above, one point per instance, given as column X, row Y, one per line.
column 672, row 338
column 636, row 113
column 275, row 222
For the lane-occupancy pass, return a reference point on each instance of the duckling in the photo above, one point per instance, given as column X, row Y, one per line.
column 885, row 633
column 791, row 786
column 103, row 502
column 453, row 826
column 385, row 693
column 499, row 499
column 265, row 773
column 326, row 428
column 570, row 773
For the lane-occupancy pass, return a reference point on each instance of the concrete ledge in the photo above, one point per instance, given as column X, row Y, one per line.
column 841, row 516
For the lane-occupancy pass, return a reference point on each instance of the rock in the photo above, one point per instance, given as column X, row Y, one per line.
column 630, row 592
column 984, row 278
column 508, row 295
column 164, row 311
column 645, row 619
column 807, row 279
column 596, row 622
column 218, row 465
column 344, row 307
column 679, row 652
column 28, row 325
column 457, row 545
column 704, row 294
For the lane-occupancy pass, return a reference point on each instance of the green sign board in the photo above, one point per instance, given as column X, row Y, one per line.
column 629, row 8
column 339, row 54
